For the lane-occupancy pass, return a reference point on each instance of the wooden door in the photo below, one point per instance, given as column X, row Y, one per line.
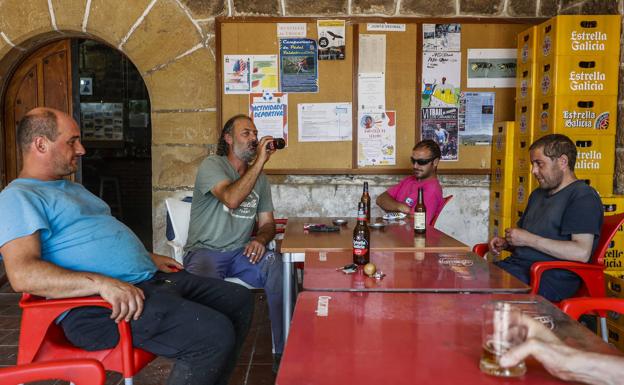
column 42, row 80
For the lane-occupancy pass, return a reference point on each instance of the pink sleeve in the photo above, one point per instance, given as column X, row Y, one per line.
column 394, row 190
column 433, row 200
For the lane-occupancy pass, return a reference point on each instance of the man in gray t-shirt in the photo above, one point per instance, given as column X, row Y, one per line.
column 231, row 194
column 562, row 220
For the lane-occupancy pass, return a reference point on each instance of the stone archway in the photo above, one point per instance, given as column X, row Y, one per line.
column 171, row 52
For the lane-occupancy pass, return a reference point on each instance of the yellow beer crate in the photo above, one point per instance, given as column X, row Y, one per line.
column 579, row 35
column 525, row 118
column 576, row 115
column 578, row 75
column 616, row 334
column 613, row 204
column 614, row 257
column 502, row 140
column 526, row 82
column 595, row 154
column 501, row 202
column 497, row 227
column 521, row 189
column 614, row 281
column 521, row 155
column 527, row 46
column 515, row 217
column 500, row 177
column 602, row 183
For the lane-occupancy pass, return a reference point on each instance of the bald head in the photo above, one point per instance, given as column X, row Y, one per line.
column 40, row 121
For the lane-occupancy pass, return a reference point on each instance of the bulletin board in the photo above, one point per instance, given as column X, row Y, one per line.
column 338, row 83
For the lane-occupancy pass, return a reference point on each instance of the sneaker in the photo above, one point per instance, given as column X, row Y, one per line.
column 277, row 358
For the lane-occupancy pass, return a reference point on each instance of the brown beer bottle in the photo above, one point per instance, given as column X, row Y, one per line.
column 366, row 200
column 361, row 239
column 420, row 214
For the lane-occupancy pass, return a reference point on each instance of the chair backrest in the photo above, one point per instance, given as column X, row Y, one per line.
column 576, row 307
column 180, row 216
column 78, row 371
column 446, row 201
column 610, row 226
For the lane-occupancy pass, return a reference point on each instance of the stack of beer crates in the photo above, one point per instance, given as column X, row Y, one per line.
column 614, row 271
column 501, row 179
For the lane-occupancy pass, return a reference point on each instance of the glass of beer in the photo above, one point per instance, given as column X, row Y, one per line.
column 501, row 331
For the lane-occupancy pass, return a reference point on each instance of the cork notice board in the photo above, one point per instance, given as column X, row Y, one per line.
column 338, row 83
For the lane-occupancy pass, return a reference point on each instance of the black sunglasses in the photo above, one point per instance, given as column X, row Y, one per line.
column 421, row 162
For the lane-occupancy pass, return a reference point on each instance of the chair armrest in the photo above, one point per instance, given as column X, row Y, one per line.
column 62, row 304
column 592, row 275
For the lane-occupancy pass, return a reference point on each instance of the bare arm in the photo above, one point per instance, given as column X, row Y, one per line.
column 232, row 194
column 266, row 231
column 578, row 249
column 27, row 272
column 386, row 202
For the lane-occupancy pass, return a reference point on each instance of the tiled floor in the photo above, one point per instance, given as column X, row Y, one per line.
column 254, row 366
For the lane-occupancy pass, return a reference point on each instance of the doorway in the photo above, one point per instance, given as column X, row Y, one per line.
column 105, row 93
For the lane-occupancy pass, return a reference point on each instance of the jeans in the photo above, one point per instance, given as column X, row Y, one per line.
column 201, row 323
column 267, row 273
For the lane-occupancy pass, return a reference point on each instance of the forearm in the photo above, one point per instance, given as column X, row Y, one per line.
column 565, row 250
column 387, row 203
column 266, row 233
column 235, row 193
column 597, row 369
column 48, row 280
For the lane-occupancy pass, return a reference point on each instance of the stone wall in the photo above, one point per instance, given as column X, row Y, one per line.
column 171, row 42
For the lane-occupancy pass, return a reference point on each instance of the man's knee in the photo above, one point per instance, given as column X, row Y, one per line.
column 197, row 263
column 273, row 272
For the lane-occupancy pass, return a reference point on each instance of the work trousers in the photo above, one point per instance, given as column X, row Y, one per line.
column 199, row 322
column 267, row 274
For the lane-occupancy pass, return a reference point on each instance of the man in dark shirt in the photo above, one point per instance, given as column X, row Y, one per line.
column 562, row 220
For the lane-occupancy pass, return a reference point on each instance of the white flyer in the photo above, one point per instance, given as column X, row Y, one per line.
column 236, row 74
column 372, row 57
column 269, row 112
column 372, row 92
column 376, row 138
column 324, row 122
column 291, row 30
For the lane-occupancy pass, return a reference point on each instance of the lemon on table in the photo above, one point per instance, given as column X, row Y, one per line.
column 370, row 269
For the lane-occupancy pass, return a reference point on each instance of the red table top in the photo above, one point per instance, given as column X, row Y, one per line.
column 410, row 271
column 395, row 236
column 406, row 339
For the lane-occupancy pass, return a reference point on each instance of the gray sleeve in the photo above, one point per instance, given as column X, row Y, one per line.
column 266, row 200
column 210, row 172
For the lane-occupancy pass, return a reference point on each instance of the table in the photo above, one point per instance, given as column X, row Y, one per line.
column 396, row 236
column 410, row 271
column 407, row 338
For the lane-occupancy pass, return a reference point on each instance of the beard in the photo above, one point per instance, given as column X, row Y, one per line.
column 245, row 153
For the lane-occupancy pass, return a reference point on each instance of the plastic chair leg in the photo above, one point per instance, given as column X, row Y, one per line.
column 603, row 329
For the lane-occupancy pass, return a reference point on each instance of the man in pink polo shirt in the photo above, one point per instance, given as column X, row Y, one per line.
column 402, row 197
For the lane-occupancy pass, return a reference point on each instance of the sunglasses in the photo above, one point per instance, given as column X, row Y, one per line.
column 421, row 162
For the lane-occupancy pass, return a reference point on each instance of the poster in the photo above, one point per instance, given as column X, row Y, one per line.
column 476, row 118
column 269, row 112
column 324, row 122
column 372, row 53
column 377, row 138
column 372, row 92
column 491, row 68
column 441, row 37
column 440, row 125
column 331, row 39
column 236, row 76
column 264, row 73
column 441, row 77
column 102, row 121
column 298, row 65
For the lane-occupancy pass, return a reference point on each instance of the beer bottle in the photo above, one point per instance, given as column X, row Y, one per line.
column 420, row 214
column 361, row 239
column 366, row 200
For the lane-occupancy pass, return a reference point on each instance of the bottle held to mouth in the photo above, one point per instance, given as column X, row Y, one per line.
column 276, row 144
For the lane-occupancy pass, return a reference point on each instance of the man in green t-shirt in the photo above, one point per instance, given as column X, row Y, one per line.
column 231, row 192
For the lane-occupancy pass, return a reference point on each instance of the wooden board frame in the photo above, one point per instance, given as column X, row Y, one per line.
column 498, row 25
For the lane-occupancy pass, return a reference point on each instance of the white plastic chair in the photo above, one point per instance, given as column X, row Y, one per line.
column 180, row 216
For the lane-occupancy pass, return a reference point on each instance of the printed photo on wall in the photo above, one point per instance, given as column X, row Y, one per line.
column 331, row 39
column 441, row 37
column 491, row 68
column 440, row 125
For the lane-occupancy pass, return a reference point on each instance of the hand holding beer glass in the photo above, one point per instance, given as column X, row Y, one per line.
column 501, row 330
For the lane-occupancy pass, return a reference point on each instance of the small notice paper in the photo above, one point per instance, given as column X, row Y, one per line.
column 322, row 306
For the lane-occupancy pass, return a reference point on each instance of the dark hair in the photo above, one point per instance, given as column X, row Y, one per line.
column 31, row 126
column 222, row 147
column 555, row 145
column 430, row 145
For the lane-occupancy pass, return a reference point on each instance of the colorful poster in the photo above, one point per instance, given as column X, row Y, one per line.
column 441, row 37
column 236, row 75
column 264, row 73
column 324, row 122
column 440, row 125
column 331, row 39
column 269, row 112
column 377, row 138
column 102, row 121
column 298, row 65
column 476, row 118
column 491, row 68
column 441, row 77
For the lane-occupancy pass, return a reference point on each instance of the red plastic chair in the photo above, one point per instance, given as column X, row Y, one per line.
column 576, row 307
column 41, row 339
column 446, row 201
column 481, row 249
column 79, row 372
